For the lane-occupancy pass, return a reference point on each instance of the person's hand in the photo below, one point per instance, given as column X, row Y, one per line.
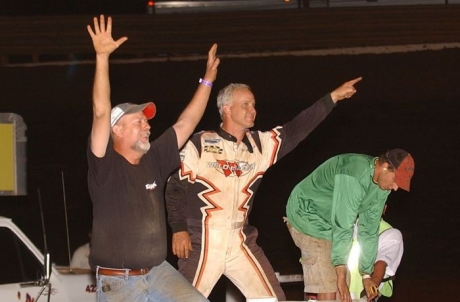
column 211, row 64
column 181, row 244
column 346, row 91
column 344, row 292
column 371, row 288
column 102, row 36
column 342, row 286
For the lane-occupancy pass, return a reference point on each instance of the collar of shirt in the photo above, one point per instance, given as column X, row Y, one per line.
column 227, row 136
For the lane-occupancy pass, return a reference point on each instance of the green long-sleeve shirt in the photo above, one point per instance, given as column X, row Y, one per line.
column 327, row 203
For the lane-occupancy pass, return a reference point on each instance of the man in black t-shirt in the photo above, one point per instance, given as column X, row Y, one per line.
column 126, row 178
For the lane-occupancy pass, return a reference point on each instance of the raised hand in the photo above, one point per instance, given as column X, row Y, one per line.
column 211, row 64
column 345, row 91
column 103, row 42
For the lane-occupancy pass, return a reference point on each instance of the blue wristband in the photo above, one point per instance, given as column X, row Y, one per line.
column 204, row 82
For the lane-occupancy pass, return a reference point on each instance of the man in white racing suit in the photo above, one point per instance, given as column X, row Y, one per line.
column 211, row 196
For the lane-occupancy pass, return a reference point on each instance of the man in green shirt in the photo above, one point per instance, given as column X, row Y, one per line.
column 323, row 208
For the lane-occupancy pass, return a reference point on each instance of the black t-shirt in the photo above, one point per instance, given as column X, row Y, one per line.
column 129, row 228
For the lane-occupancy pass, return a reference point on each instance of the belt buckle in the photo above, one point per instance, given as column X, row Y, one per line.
column 144, row 271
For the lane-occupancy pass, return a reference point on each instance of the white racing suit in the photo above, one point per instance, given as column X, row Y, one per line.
column 211, row 197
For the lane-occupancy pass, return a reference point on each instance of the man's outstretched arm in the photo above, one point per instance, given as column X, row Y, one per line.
column 192, row 114
column 104, row 45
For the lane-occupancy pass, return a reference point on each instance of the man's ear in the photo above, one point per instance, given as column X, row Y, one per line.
column 117, row 130
column 388, row 167
column 227, row 109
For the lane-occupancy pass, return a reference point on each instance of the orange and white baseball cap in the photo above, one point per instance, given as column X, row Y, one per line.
column 149, row 109
column 404, row 166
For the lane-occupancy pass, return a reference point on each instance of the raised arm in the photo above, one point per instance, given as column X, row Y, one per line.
column 104, row 45
column 192, row 114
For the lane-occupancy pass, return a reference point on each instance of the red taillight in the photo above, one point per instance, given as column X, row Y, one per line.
column 150, row 7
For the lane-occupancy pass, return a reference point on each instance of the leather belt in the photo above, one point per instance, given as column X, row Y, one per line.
column 123, row 271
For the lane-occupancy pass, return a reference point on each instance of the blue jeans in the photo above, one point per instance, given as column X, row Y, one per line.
column 162, row 283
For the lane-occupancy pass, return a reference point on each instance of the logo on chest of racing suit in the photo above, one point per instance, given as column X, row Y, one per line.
column 213, row 149
column 231, row 167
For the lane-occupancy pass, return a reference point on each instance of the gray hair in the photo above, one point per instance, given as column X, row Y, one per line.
column 225, row 96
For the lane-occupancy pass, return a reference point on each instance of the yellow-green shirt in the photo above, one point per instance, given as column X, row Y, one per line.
column 356, row 281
